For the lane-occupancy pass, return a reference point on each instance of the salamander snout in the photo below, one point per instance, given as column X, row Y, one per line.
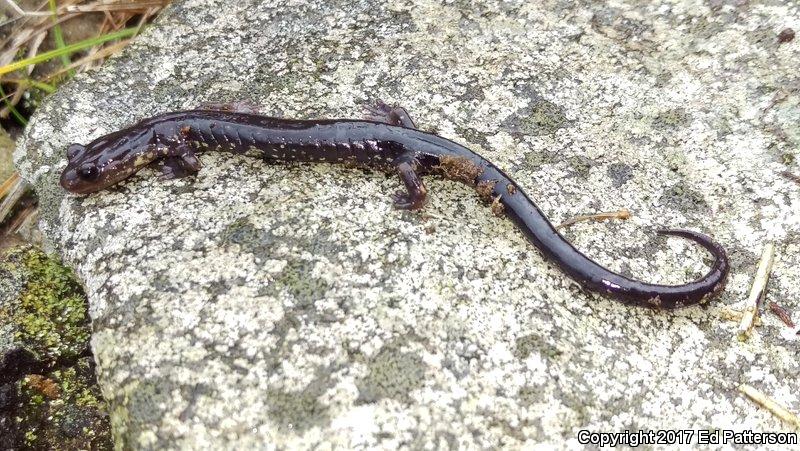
column 75, row 176
column 80, row 179
column 83, row 172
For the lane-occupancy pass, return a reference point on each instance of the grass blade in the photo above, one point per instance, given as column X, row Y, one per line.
column 21, row 119
column 69, row 49
column 46, row 87
column 59, row 36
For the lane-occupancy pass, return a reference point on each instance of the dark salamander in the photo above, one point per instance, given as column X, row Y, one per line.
column 387, row 140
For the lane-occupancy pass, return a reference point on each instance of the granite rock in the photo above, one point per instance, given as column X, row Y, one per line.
column 292, row 305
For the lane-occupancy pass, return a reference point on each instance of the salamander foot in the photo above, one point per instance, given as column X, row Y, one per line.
column 178, row 167
column 379, row 111
column 416, row 193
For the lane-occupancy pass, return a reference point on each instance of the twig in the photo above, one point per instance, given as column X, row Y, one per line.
column 5, row 187
column 15, row 192
column 100, row 54
column 19, row 38
column 782, row 313
column 619, row 214
column 793, row 177
column 776, row 409
column 112, row 6
column 92, row 7
column 74, row 47
column 23, row 18
column 730, row 314
column 22, row 220
column 757, row 292
column 779, row 96
column 12, row 5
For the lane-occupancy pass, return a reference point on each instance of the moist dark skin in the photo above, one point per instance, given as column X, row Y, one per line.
column 388, row 140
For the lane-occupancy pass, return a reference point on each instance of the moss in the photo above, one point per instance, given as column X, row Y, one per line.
column 75, row 389
column 30, row 438
column 53, row 400
column 50, row 315
column 63, row 410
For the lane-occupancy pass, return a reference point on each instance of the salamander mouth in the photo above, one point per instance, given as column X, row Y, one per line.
column 71, row 181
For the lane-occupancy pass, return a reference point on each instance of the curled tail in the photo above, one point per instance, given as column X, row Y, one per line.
column 532, row 222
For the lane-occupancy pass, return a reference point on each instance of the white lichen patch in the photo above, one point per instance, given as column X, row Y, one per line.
column 291, row 304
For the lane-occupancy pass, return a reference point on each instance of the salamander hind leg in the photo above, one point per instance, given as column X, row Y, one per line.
column 415, row 195
column 392, row 115
column 191, row 162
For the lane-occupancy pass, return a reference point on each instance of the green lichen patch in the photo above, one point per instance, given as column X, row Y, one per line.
column 392, row 374
column 49, row 318
column 299, row 282
column 472, row 136
column 530, row 394
column 245, row 234
column 683, row 198
column 146, row 399
column 543, row 118
column 676, row 117
column 582, row 165
column 297, row 410
column 619, row 173
column 537, row 159
column 675, row 159
column 528, row 344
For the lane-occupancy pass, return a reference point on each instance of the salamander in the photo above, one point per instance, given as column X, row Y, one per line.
column 386, row 139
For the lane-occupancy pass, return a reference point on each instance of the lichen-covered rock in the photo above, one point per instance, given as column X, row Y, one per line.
column 292, row 305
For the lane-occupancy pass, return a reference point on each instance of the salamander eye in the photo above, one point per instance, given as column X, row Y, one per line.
column 88, row 172
column 73, row 150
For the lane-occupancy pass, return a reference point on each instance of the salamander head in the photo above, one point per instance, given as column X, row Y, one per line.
column 104, row 162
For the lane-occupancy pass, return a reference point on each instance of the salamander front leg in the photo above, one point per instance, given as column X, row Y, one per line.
column 178, row 163
column 392, row 115
column 416, row 193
